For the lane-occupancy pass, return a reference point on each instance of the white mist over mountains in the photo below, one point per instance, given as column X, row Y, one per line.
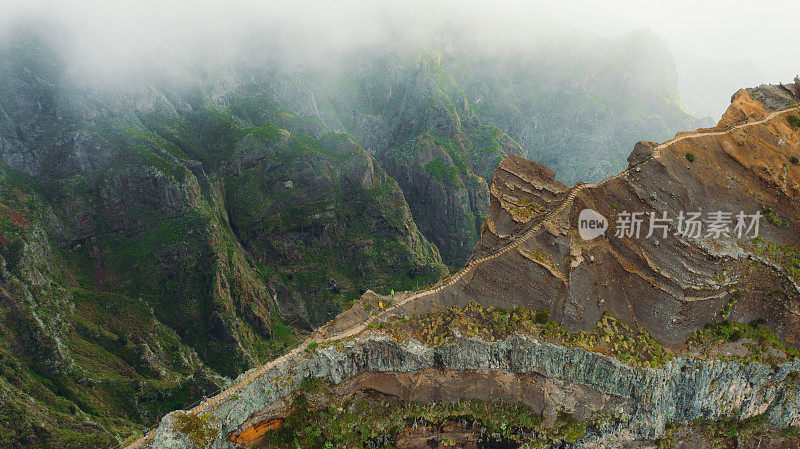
column 718, row 46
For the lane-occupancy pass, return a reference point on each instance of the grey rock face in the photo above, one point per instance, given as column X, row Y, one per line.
column 80, row 151
column 774, row 96
column 684, row 389
column 169, row 437
column 641, row 151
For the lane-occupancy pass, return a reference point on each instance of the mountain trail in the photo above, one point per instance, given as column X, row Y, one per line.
column 211, row 403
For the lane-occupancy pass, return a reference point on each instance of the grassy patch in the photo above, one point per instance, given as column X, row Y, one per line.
column 198, row 428
column 763, row 350
column 444, row 172
column 771, row 217
column 722, row 433
column 610, row 336
column 787, row 257
column 374, row 420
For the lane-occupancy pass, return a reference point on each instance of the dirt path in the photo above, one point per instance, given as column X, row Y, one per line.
column 657, row 150
column 250, row 378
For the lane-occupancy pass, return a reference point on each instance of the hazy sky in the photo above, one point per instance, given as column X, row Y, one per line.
column 763, row 31
column 111, row 34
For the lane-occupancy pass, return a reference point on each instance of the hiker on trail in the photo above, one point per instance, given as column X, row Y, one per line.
column 392, row 294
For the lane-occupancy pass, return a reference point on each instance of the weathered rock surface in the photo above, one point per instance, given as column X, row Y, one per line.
column 150, row 243
column 668, row 284
column 557, row 377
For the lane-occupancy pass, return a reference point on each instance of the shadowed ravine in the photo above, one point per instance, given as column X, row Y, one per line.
column 626, row 381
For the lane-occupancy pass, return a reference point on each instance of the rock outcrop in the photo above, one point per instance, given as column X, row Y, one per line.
column 150, row 243
column 552, row 377
column 670, row 287
column 670, row 284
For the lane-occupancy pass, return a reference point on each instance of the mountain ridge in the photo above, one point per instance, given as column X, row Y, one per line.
column 161, row 234
column 740, row 116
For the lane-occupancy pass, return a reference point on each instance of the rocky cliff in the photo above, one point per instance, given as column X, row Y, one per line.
column 592, row 342
column 441, row 117
column 670, row 283
column 164, row 229
column 634, row 404
column 154, row 239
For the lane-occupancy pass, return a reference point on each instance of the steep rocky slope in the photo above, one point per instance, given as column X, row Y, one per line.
column 154, row 239
column 172, row 227
column 600, row 343
column 602, row 401
column 440, row 117
column 672, row 286
column 406, row 109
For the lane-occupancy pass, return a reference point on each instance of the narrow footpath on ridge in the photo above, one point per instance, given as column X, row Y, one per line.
column 447, row 282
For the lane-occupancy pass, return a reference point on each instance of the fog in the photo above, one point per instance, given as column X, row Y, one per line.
column 742, row 43
column 764, row 32
column 718, row 45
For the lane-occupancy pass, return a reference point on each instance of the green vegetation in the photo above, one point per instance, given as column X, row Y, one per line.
column 454, row 151
column 152, row 296
column 788, row 257
column 725, row 432
column 791, row 433
column 794, row 160
column 444, row 172
column 284, row 337
column 50, row 421
column 771, row 217
column 762, row 345
column 20, row 207
column 198, row 428
column 374, row 420
column 610, row 336
column 541, row 316
column 176, row 171
column 690, row 157
column 372, row 248
column 77, row 332
column 314, row 385
column 794, row 121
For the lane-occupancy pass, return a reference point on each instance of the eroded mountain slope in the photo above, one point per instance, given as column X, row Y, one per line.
column 605, row 341
column 671, row 286
column 154, row 239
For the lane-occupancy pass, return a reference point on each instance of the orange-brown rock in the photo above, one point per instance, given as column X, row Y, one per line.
column 669, row 285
